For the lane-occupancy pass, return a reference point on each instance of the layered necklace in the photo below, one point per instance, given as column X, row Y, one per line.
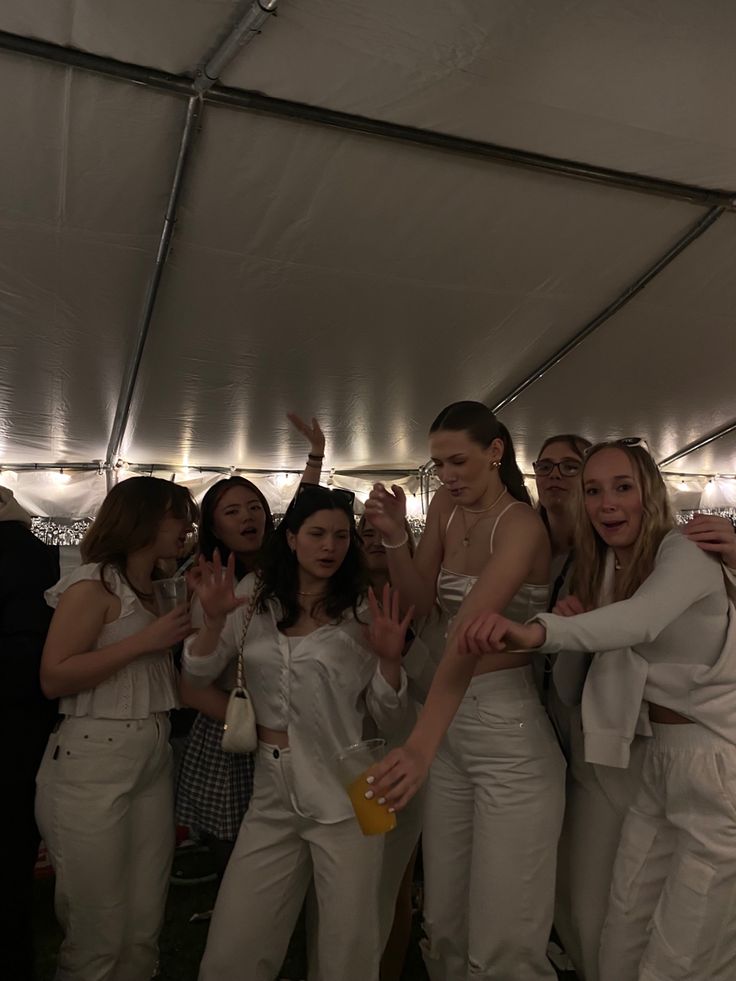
column 468, row 531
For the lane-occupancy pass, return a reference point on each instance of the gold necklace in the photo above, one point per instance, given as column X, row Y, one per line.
column 467, row 531
column 490, row 506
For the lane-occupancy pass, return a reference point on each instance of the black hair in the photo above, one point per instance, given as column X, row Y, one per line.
column 208, row 540
column 280, row 570
column 477, row 420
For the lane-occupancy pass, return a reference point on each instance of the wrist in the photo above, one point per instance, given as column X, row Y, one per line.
column 396, row 541
column 214, row 625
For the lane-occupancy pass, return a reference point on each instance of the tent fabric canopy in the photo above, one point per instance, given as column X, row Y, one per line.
column 366, row 279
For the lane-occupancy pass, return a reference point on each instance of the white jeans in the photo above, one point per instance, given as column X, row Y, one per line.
column 598, row 798
column 672, row 910
column 276, row 855
column 105, row 808
column 492, row 820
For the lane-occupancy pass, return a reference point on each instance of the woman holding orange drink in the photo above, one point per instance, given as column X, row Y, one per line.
column 316, row 671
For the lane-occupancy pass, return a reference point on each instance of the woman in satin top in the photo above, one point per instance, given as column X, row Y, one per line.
column 495, row 794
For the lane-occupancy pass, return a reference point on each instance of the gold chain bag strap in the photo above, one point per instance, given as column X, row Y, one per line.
column 239, row 734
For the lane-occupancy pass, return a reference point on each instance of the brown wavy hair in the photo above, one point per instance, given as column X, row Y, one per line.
column 129, row 519
column 591, row 550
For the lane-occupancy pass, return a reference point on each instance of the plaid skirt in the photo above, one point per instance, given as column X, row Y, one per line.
column 214, row 787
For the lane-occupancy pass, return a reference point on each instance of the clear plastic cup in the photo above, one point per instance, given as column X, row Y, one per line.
column 169, row 593
column 353, row 763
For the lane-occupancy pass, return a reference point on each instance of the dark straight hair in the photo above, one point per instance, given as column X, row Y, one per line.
column 208, row 540
column 280, row 568
column 477, row 420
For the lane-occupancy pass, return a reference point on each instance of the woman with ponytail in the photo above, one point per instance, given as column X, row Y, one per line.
column 495, row 794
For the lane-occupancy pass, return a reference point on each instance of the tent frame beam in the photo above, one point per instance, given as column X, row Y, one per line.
column 698, row 444
column 125, row 399
column 235, row 98
column 693, row 233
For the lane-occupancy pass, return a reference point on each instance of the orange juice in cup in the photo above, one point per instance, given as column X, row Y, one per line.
column 354, row 762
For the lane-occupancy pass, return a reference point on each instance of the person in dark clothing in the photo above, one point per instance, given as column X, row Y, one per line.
column 27, row 568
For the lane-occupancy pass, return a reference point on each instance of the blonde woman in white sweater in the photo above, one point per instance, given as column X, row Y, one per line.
column 666, row 667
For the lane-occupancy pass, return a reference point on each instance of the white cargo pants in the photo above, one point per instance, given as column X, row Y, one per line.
column 598, row 798
column 672, row 909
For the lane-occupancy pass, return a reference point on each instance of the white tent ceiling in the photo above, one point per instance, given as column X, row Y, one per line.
column 352, row 267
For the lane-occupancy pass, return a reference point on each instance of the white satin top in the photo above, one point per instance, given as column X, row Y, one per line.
column 453, row 587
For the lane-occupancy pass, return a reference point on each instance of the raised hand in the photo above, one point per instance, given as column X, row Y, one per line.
column 386, row 632
column 214, row 585
column 398, row 777
column 312, row 432
column 491, row 633
column 386, row 510
column 713, row 533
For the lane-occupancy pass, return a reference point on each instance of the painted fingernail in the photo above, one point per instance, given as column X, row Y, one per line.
column 381, row 800
column 370, row 780
column 368, row 795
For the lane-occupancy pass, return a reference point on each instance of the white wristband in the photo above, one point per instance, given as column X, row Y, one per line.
column 404, row 541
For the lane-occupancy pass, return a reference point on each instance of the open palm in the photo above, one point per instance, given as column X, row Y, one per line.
column 214, row 585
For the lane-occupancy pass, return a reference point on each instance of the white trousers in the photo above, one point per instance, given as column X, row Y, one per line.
column 105, row 808
column 672, row 910
column 598, row 798
column 277, row 854
column 492, row 821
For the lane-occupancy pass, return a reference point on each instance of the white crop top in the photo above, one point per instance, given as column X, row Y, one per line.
column 145, row 686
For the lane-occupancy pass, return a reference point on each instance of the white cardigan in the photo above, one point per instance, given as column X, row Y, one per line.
column 672, row 643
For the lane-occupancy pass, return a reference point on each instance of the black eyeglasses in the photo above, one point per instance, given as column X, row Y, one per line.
column 344, row 498
column 566, row 468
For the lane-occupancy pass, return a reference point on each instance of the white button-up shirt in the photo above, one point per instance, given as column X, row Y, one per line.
column 321, row 692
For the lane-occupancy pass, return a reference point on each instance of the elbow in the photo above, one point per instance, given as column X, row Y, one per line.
column 50, row 686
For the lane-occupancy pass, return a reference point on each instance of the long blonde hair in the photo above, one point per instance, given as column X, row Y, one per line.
column 591, row 550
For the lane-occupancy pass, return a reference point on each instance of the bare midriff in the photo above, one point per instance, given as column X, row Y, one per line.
column 274, row 737
column 501, row 662
column 666, row 716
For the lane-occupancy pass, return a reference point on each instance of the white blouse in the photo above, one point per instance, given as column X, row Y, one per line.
column 145, row 686
column 321, row 692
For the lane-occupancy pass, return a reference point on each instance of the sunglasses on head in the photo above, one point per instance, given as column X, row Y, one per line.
column 627, row 441
column 345, row 498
